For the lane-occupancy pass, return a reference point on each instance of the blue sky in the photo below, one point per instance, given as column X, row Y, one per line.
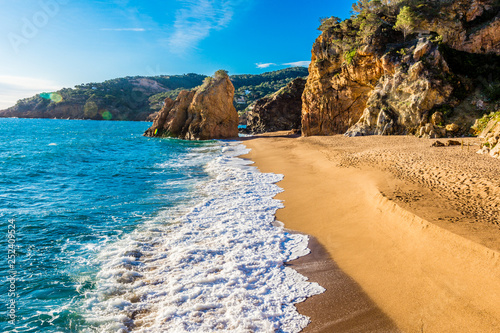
column 49, row 44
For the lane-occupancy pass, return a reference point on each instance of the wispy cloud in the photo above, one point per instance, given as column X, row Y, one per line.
column 292, row 64
column 304, row 63
column 13, row 88
column 265, row 65
column 197, row 19
column 124, row 29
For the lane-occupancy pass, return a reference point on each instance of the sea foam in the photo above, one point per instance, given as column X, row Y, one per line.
column 215, row 263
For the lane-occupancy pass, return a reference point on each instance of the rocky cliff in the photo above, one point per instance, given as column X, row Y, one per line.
column 367, row 77
column 200, row 114
column 279, row 111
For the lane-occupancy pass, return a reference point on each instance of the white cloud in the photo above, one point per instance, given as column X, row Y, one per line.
column 13, row 88
column 265, row 65
column 197, row 19
column 298, row 63
column 125, row 29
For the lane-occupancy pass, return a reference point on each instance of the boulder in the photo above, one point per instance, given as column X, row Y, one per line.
column 437, row 144
column 453, row 143
column 453, row 128
column 204, row 113
column 437, row 118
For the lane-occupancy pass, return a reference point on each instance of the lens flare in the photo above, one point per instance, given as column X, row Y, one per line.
column 54, row 97
column 106, row 115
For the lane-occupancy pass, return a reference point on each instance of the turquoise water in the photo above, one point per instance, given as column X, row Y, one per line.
column 70, row 187
column 115, row 232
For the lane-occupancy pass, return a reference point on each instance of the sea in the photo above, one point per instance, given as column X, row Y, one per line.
column 104, row 230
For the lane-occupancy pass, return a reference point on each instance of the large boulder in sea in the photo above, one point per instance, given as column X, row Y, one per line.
column 279, row 111
column 204, row 113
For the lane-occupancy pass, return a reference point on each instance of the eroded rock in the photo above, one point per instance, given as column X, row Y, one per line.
column 200, row 114
column 401, row 101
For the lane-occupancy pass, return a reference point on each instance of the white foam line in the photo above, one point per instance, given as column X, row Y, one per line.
column 220, row 267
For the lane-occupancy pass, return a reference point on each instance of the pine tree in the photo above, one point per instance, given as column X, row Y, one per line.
column 405, row 21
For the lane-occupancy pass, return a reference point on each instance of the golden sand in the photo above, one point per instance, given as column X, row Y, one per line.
column 391, row 214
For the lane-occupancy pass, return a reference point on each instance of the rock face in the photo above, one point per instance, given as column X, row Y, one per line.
column 402, row 100
column 279, row 111
column 470, row 26
column 201, row 114
column 336, row 94
column 365, row 81
column 490, row 135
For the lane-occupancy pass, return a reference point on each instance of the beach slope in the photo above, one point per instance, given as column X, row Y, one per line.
column 429, row 263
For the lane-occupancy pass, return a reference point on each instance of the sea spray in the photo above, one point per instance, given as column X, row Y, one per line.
column 217, row 266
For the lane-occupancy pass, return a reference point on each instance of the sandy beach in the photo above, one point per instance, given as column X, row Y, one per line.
column 405, row 237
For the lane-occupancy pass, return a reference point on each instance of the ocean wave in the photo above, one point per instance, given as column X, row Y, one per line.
column 213, row 263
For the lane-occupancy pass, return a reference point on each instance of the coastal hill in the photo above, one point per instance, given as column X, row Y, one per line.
column 429, row 68
column 139, row 98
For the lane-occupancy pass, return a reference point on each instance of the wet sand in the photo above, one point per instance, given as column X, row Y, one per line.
column 344, row 306
column 410, row 232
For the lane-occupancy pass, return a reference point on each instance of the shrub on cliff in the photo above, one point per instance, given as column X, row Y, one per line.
column 328, row 22
column 220, row 74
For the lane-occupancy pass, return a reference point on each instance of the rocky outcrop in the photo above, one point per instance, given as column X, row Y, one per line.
column 402, row 100
column 200, row 114
column 366, row 78
column 336, row 91
column 465, row 25
column 280, row 111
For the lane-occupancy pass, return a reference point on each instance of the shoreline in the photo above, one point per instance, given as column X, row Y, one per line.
column 344, row 306
column 424, row 275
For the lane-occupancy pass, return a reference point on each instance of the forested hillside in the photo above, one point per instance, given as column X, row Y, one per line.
column 137, row 98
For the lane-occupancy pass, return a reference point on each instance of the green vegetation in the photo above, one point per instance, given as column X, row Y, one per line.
column 405, row 21
column 368, row 18
column 328, row 22
column 374, row 19
column 135, row 98
column 220, row 74
column 250, row 88
column 348, row 56
column 482, row 122
column 125, row 98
